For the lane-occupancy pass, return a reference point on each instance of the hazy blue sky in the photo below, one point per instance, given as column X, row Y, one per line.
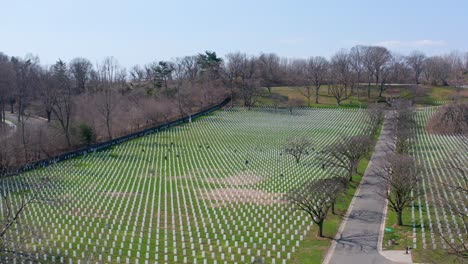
column 142, row 31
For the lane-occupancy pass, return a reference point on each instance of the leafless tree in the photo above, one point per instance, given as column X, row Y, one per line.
column 62, row 103
column 315, row 198
column 80, row 70
column 416, row 61
column 346, row 153
column 269, row 70
column 337, row 90
column 437, row 70
column 374, row 58
column 137, row 73
column 404, row 126
column 450, row 119
column 356, row 60
column 341, row 73
column 375, row 113
column 246, row 78
column 6, row 82
column 14, row 233
column 399, row 182
column 298, row 147
column 111, row 76
column 300, row 77
column 317, row 69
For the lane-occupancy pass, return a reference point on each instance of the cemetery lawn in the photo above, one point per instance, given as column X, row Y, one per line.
column 314, row 248
column 211, row 190
column 429, row 217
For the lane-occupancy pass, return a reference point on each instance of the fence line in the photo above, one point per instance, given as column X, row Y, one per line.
column 107, row 144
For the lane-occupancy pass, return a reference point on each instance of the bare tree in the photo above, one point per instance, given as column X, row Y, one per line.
column 244, row 72
column 315, row 198
column 450, row 119
column 13, row 233
column 356, row 60
column 404, row 126
column 375, row 113
column 62, row 103
column 110, row 77
column 341, row 69
column 80, row 70
column 437, row 70
column 338, row 91
column 346, row 153
column 416, row 61
column 298, row 147
column 399, row 182
column 6, row 82
column 317, row 68
column 269, row 70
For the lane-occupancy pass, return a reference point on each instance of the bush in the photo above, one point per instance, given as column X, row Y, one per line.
column 450, row 119
column 86, row 133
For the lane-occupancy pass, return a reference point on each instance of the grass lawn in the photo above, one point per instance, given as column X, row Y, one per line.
column 429, row 96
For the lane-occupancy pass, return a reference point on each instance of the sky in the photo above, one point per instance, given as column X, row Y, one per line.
column 139, row 32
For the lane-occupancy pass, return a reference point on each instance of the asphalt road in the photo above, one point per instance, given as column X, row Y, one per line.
column 359, row 240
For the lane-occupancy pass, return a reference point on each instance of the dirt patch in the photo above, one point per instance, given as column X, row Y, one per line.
column 224, row 196
column 245, row 178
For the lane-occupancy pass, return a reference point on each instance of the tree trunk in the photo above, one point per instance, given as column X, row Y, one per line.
column 400, row 218
column 316, row 94
column 333, row 208
column 49, row 115
column 368, row 89
column 320, row 231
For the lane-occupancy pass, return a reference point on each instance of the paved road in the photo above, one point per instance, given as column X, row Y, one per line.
column 13, row 122
column 359, row 239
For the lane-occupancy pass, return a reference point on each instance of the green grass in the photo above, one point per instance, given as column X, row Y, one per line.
column 283, row 96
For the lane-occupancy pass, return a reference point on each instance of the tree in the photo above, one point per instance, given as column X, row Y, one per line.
column 243, row 72
column 13, row 234
column 341, row 69
column 62, row 103
column 297, row 147
column 110, row 76
column 315, row 198
column 300, row 76
column 450, row 119
column 374, row 58
column 80, row 70
column 317, row 69
column 404, row 126
column 399, row 182
column 337, row 90
column 163, row 73
column 356, row 60
column 209, row 64
column 437, row 70
column 269, row 70
column 6, row 82
column 416, row 62
column 346, row 153
column 375, row 113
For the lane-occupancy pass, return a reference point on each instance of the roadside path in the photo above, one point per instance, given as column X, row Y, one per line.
column 359, row 239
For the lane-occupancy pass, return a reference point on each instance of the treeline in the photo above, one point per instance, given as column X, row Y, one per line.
column 82, row 103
